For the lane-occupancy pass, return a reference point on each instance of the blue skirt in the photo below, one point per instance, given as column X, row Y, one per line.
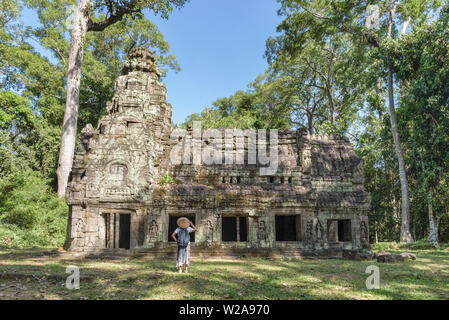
column 183, row 256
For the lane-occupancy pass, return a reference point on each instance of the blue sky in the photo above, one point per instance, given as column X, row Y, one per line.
column 219, row 45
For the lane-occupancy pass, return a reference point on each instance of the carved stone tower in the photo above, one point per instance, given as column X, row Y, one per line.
column 119, row 162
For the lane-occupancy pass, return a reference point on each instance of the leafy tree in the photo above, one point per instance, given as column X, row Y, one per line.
column 316, row 82
column 30, row 213
column 419, row 59
column 368, row 29
column 262, row 106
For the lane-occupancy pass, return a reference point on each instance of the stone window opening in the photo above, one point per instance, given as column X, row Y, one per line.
column 172, row 219
column 339, row 230
column 288, row 228
column 232, row 180
column 280, row 180
column 234, row 229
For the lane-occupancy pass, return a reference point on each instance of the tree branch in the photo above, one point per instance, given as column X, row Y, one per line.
column 114, row 17
column 405, row 25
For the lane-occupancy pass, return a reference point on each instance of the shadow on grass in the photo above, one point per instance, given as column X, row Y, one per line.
column 43, row 275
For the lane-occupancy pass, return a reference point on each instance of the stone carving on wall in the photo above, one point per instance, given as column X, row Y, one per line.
column 79, row 228
column 116, row 180
column 209, row 231
column 319, row 231
column 306, row 160
column 118, row 173
column 262, row 234
column 211, row 226
column 309, row 232
column 154, row 231
column 364, row 238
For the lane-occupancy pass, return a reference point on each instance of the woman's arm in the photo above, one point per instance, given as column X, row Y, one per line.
column 173, row 235
column 195, row 229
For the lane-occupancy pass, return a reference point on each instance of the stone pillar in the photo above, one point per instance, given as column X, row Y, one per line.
column 102, row 231
column 135, row 233
column 332, row 227
column 238, row 228
column 252, row 231
column 298, row 228
column 76, row 228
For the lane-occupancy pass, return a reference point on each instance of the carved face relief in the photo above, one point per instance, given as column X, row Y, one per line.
column 118, row 173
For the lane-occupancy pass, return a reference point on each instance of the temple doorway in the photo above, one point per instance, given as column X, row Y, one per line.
column 118, row 230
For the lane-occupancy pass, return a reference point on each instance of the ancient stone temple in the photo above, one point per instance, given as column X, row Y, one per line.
column 125, row 192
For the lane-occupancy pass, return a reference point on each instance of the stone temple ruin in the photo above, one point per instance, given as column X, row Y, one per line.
column 313, row 204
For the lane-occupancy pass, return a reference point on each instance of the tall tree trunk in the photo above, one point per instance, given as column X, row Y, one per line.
column 68, row 139
column 405, row 217
column 330, row 84
column 433, row 227
column 375, row 232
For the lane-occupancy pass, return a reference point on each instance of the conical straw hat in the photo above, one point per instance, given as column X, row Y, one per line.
column 183, row 222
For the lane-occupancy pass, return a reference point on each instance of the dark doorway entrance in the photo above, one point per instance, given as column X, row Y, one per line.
column 124, row 231
column 172, row 226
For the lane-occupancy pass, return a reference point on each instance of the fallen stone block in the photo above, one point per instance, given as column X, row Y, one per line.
column 383, row 256
column 358, row 255
column 407, row 255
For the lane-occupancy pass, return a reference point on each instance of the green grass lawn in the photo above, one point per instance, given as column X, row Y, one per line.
column 37, row 274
